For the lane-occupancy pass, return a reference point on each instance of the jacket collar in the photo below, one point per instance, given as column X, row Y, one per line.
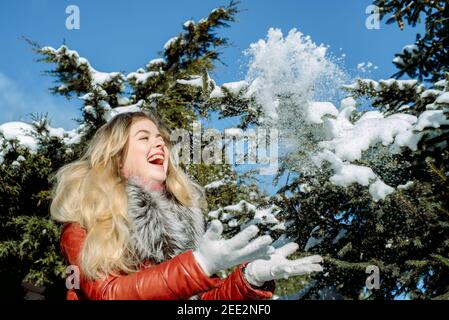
column 161, row 228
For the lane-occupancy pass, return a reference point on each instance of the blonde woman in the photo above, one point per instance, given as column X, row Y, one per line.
column 133, row 227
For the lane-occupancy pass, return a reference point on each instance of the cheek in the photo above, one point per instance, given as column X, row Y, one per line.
column 166, row 151
column 135, row 158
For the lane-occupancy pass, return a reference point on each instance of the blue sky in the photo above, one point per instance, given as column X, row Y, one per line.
column 125, row 35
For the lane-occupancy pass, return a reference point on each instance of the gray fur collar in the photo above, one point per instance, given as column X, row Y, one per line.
column 161, row 227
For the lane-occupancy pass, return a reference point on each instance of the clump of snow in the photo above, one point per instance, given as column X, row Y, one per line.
column 170, row 42
column 157, row 61
column 112, row 112
column 286, row 76
column 239, row 207
column 442, row 84
column 235, row 87
column 443, row 99
column 188, row 23
column 21, row 131
column 347, row 141
column 233, row 223
column 370, row 129
column 214, row 214
column 399, row 61
column 89, row 109
column 315, row 111
column 196, row 82
column 217, row 93
column 431, row 118
column 98, row 78
column 123, row 101
column 140, row 76
column 386, row 84
column 214, row 184
column 25, row 134
column 429, row 93
column 266, row 215
column 379, row 190
column 405, row 186
column 411, row 49
column 87, row 96
column 156, row 95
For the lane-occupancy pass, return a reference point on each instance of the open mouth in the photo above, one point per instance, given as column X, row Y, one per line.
column 157, row 159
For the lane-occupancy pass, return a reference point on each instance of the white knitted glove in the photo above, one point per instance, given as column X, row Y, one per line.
column 214, row 253
column 278, row 266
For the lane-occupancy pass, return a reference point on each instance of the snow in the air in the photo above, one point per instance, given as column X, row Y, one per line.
column 366, row 66
column 293, row 67
column 317, row 110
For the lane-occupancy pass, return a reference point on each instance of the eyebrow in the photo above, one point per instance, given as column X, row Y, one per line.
column 146, row 131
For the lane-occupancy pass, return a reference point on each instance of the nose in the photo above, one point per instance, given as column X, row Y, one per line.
column 159, row 143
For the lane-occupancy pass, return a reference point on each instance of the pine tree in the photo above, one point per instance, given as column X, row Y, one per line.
column 404, row 230
column 175, row 86
column 427, row 58
column 406, row 234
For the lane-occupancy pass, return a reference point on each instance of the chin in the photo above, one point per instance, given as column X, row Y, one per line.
column 158, row 179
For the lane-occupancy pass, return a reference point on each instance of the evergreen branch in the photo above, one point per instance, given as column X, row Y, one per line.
column 444, row 296
column 434, row 171
column 442, row 260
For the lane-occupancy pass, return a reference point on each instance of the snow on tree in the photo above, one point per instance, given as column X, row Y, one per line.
column 30, row 154
column 370, row 177
column 366, row 162
column 427, row 58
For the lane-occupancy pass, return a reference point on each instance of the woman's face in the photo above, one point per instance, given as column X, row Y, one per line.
column 147, row 156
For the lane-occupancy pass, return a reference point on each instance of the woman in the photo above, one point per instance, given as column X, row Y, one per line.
column 133, row 227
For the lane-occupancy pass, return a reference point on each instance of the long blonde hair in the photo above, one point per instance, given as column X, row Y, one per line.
column 92, row 192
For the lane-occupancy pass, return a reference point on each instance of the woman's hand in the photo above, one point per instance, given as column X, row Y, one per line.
column 215, row 254
column 278, row 266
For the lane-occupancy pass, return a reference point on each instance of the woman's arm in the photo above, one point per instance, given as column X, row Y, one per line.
column 235, row 287
column 177, row 278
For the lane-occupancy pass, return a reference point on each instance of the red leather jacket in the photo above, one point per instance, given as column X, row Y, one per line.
column 177, row 278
